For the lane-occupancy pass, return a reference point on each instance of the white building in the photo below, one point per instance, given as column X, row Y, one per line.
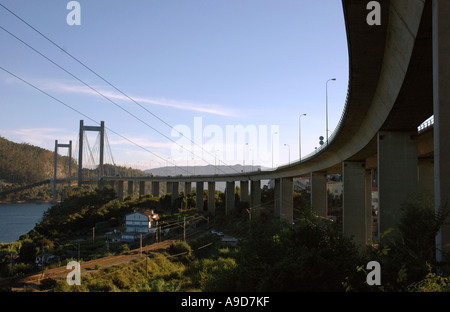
column 139, row 222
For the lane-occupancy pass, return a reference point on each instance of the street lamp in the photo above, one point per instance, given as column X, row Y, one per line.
column 243, row 157
column 300, row 137
column 333, row 79
column 272, row 147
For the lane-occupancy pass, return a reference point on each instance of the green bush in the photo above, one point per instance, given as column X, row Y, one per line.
column 179, row 247
column 312, row 256
column 213, row 274
column 407, row 252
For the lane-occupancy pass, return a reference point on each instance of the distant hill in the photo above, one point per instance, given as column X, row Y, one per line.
column 22, row 163
column 200, row 170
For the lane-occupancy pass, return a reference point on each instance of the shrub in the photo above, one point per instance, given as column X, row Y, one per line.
column 407, row 251
column 312, row 256
column 179, row 247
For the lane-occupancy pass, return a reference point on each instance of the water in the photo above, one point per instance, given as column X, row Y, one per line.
column 19, row 219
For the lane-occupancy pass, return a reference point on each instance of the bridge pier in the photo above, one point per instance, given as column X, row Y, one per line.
column 229, row 197
column 286, row 201
column 354, row 206
column 441, row 110
column 255, row 193
column 319, row 195
column 212, row 197
column 141, row 188
column 130, row 190
column 426, row 175
column 120, row 191
column 174, row 191
column 245, row 198
column 199, row 202
column 155, row 188
column 187, row 188
column 397, row 174
column 277, row 198
column 101, row 184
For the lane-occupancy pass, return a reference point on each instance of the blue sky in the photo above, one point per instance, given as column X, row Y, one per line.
column 254, row 63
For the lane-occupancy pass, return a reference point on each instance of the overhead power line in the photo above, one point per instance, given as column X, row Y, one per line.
column 87, row 85
column 79, row 112
column 110, row 84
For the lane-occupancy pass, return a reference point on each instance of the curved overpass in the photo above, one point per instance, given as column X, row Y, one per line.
column 392, row 90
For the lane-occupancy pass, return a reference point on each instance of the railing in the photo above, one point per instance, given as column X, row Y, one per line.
column 426, row 124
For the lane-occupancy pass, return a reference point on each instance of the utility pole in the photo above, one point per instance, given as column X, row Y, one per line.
column 184, row 228
column 140, row 250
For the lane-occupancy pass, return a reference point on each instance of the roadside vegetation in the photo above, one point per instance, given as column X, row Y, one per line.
column 311, row 255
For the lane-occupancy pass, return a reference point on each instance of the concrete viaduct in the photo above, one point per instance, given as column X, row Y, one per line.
column 399, row 76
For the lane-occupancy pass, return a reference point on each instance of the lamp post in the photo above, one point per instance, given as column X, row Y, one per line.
column 243, row 157
column 326, row 95
column 300, row 136
column 272, row 147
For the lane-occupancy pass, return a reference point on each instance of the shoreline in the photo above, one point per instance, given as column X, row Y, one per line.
column 33, row 201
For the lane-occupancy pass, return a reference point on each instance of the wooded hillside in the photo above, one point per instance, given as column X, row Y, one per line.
column 23, row 163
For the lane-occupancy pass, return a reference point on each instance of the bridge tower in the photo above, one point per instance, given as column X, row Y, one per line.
column 57, row 145
column 83, row 128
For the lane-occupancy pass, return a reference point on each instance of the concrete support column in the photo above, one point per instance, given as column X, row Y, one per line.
column 255, row 193
column 174, row 192
column 244, row 192
column 287, row 199
column 212, row 197
column 369, row 221
column 441, row 109
column 354, row 201
column 169, row 186
column 120, row 191
column 319, row 196
column 101, row 184
column 229, row 197
column 155, row 188
column 199, row 196
column 277, row 198
column 130, row 188
column 141, row 188
column 397, row 175
column 187, row 188
column 426, row 175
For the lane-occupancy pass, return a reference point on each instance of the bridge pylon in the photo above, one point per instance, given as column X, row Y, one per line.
column 83, row 128
column 57, row 145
